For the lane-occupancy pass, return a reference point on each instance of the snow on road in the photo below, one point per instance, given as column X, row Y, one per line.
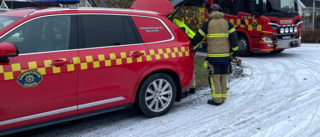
column 278, row 96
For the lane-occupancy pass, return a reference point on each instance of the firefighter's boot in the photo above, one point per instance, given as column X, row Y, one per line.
column 192, row 90
column 211, row 102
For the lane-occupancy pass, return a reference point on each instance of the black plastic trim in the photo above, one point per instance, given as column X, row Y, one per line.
column 80, row 33
column 73, row 42
column 135, row 30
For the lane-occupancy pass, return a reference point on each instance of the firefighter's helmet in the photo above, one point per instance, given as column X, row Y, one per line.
column 215, row 7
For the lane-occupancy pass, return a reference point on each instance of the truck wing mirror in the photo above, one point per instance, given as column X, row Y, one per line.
column 7, row 50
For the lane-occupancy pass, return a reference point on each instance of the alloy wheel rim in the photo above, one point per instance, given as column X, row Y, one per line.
column 158, row 95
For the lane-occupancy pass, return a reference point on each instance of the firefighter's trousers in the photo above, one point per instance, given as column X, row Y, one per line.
column 218, row 73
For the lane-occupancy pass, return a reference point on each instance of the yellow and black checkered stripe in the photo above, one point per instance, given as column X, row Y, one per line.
column 91, row 62
column 248, row 24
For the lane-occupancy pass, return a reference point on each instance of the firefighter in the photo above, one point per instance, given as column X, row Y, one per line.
column 219, row 33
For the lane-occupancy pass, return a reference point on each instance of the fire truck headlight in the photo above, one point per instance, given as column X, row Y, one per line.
column 286, row 30
column 291, row 29
column 270, row 45
column 295, row 29
column 282, row 30
column 267, row 39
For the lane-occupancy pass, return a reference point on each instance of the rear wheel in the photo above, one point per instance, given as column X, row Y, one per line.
column 244, row 49
column 277, row 51
column 157, row 95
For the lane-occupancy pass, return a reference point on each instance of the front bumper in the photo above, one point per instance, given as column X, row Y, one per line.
column 278, row 44
column 290, row 43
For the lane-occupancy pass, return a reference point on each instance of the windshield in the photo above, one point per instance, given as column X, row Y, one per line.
column 278, row 7
column 6, row 20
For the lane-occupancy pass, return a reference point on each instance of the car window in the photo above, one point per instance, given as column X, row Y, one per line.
column 107, row 30
column 6, row 20
column 40, row 35
column 151, row 29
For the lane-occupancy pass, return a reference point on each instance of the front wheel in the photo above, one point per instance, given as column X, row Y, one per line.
column 244, row 48
column 157, row 95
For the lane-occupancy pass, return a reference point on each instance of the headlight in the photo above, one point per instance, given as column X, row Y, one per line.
column 291, row 29
column 282, row 30
column 295, row 29
column 267, row 39
column 286, row 30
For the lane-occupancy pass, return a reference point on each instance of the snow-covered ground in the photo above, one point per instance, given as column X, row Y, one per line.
column 278, row 96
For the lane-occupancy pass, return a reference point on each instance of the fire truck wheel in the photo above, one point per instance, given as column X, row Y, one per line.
column 157, row 95
column 277, row 51
column 244, row 49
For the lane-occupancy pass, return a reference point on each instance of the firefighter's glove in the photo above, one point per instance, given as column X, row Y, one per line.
column 238, row 62
column 205, row 65
column 232, row 56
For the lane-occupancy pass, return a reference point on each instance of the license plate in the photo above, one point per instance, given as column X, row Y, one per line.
column 286, row 37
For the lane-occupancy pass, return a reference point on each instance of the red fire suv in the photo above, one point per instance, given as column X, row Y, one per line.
column 60, row 64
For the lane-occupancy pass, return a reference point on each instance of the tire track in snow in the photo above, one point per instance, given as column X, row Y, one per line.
column 298, row 86
column 288, row 84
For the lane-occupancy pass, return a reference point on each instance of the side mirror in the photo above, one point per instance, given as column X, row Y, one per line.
column 7, row 50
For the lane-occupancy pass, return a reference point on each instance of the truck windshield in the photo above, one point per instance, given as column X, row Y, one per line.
column 7, row 20
column 279, row 7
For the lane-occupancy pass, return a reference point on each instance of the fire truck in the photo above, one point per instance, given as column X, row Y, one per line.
column 263, row 25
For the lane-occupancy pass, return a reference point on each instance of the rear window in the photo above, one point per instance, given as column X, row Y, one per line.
column 151, row 29
column 107, row 30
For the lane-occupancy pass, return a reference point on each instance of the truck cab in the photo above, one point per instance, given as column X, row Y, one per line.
column 263, row 25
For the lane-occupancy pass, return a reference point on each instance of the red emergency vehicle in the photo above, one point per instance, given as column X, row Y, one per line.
column 263, row 25
column 61, row 64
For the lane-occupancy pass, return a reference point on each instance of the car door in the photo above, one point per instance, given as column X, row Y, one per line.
column 41, row 82
column 111, row 57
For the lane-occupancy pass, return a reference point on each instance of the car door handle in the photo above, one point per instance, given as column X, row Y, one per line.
column 136, row 54
column 59, row 63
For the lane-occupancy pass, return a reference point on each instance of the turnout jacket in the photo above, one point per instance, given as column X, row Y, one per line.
column 219, row 33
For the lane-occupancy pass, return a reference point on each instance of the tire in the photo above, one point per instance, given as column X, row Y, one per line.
column 277, row 51
column 156, row 95
column 244, row 49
